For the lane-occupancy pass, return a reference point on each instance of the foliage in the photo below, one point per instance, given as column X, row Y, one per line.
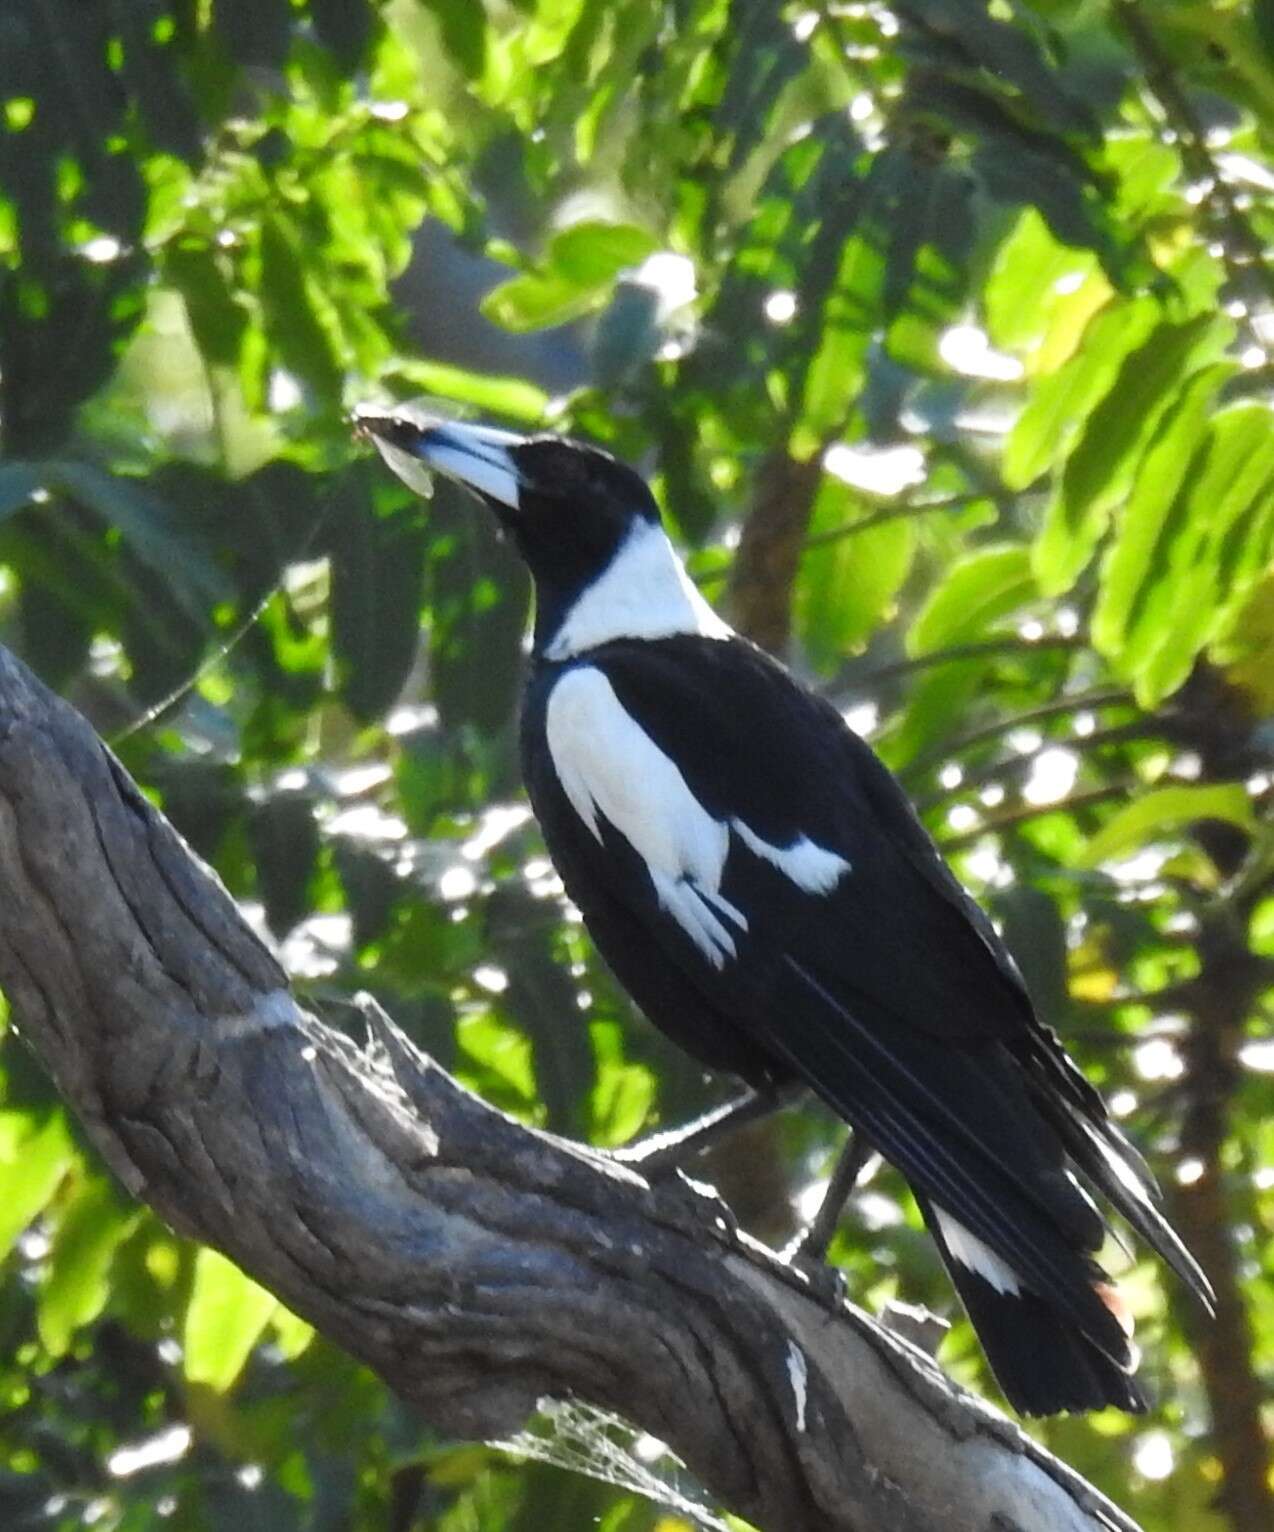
column 1001, row 266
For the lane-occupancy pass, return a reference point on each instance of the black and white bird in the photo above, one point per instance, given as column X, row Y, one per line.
column 764, row 891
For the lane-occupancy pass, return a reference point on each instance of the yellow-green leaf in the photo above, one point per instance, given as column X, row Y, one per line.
column 1099, row 473
column 1048, row 426
column 37, row 1152
column 293, row 1333
column 1139, row 544
column 1203, row 572
column 224, row 1320
column 93, row 1226
column 1160, row 812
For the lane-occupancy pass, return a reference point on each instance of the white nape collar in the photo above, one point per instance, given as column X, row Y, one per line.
column 644, row 592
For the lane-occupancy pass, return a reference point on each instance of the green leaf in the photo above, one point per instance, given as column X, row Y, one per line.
column 620, row 1102
column 937, row 700
column 1192, row 590
column 851, row 311
column 593, row 252
column 535, row 302
column 1263, row 19
column 1022, row 291
column 976, row 593
column 35, row 1153
column 845, row 585
column 92, row 1227
column 1159, row 812
column 580, row 267
column 1048, row 426
column 224, row 1319
column 152, row 528
column 299, row 323
column 1100, row 471
column 217, row 320
column 1009, row 53
column 1130, row 563
column 514, row 398
column 285, row 843
column 500, row 1061
column 377, row 580
column 479, row 595
column 463, row 26
column 293, row 1333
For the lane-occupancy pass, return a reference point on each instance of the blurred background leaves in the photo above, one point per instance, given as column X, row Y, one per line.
column 942, row 330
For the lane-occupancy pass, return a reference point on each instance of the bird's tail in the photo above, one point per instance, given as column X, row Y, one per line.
column 1043, row 1361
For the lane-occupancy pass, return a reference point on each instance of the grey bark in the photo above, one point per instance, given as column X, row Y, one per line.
column 476, row 1265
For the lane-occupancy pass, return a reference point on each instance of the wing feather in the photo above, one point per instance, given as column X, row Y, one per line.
column 776, row 865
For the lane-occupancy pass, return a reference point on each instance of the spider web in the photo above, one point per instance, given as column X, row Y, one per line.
column 586, row 1440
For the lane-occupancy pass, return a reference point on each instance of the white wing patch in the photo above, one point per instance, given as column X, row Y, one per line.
column 609, row 766
column 810, row 867
column 643, row 593
column 976, row 1255
column 798, row 1375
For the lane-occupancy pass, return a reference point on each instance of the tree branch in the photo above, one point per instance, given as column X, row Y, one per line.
column 759, row 596
column 1008, row 643
column 1204, row 1209
column 1073, row 702
column 993, row 824
column 475, row 1264
column 1014, row 765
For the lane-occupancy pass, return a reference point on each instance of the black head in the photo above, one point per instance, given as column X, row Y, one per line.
column 567, row 506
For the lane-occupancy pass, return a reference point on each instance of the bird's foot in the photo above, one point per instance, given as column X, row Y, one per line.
column 657, row 1156
column 828, row 1282
column 660, row 1154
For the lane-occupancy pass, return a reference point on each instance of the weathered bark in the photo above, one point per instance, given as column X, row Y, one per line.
column 1222, row 998
column 758, row 599
column 475, row 1264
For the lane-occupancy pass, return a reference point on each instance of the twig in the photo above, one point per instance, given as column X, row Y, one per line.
column 888, row 513
column 1007, row 768
column 1075, row 702
column 1013, row 817
column 1161, row 80
column 1010, row 643
column 867, row 523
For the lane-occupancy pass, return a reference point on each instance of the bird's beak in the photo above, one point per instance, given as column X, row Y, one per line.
column 416, row 445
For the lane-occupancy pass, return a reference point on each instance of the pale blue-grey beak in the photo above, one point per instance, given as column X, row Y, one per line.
column 416, row 445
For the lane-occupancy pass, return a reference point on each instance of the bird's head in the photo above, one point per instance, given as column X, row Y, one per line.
column 576, row 515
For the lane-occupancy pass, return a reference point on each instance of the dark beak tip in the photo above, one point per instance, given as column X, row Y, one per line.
column 393, row 423
column 363, row 422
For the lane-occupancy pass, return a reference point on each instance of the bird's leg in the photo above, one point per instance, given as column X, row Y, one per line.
column 666, row 1151
column 810, row 1246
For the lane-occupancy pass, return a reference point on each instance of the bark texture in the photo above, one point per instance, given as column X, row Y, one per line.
column 758, row 599
column 1222, row 998
column 475, row 1264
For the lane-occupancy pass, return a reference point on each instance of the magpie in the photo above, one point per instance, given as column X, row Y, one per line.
column 764, row 891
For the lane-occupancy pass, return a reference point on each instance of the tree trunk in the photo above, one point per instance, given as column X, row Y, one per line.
column 475, row 1264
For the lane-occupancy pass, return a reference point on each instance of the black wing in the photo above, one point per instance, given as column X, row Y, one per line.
column 887, row 990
